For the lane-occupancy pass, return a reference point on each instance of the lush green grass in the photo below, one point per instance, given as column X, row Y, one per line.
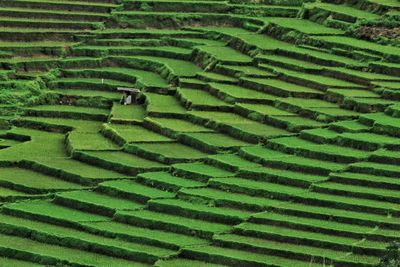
column 212, row 141
column 80, row 239
column 199, row 170
column 177, row 125
column 199, row 99
column 167, row 181
column 345, row 10
column 51, row 212
column 134, row 133
column 53, row 254
column 123, row 158
column 353, row 43
column 247, row 150
column 94, row 202
column 225, row 54
column 28, row 180
column 303, row 26
column 178, row 67
column 144, row 235
column 172, row 223
column 166, row 152
column 158, row 105
column 279, row 87
column 127, row 113
column 234, row 93
column 90, row 141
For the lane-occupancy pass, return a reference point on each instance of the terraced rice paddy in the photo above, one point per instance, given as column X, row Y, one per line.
column 265, row 133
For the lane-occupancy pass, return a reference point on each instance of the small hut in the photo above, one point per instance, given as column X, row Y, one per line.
column 129, row 95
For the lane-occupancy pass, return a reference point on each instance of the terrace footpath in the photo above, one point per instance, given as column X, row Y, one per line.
column 266, row 134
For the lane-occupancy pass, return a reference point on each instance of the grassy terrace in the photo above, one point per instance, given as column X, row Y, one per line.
column 265, row 134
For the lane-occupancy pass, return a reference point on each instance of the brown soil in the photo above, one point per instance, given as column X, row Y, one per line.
column 371, row 33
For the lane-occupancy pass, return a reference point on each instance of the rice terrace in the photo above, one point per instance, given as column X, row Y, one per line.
column 203, row 133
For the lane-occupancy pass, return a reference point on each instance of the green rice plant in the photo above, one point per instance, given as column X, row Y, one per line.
column 223, row 198
column 374, row 168
column 367, row 141
column 172, row 127
column 88, row 141
column 14, row 262
column 216, row 77
column 220, row 255
column 230, row 162
column 286, row 177
column 317, row 56
column 363, row 179
column 233, row 93
column 168, row 153
column 94, row 202
column 390, row 52
column 342, row 12
column 319, row 255
column 94, row 98
column 335, row 214
column 44, row 253
column 185, row 262
column 386, row 195
column 92, row 83
column 237, row 71
column 34, row 149
column 313, row 224
column 281, row 160
column 192, row 83
column 294, row 123
column 163, row 106
column 302, row 26
column 73, row 170
column 167, row 181
column 125, row 134
column 237, row 126
column 295, row 145
column 352, row 126
column 30, row 181
column 153, row 237
column 350, row 202
column 256, row 188
column 73, row 238
column 211, row 142
column 198, row 211
column 270, row 62
column 385, row 156
column 172, row 223
column 279, row 87
column 315, row 81
column 366, row 104
column 63, row 111
column 133, row 191
column 220, row 54
column 358, row 75
column 382, row 123
column 199, row 171
column 179, row 68
column 63, row 125
column 10, row 195
column 127, row 113
column 280, row 233
column 49, row 212
column 200, row 100
column 319, row 135
column 119, row 161
column 262, row 109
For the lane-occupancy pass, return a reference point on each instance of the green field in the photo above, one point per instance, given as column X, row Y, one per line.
column 265, row 134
